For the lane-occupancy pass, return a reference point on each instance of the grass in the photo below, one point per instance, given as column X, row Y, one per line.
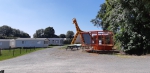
column 7, row 54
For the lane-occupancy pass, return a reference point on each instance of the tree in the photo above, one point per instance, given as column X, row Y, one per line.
column 16, row 33
column 49, row 32
column 39, row 33
column 70, row 34
column 55, row 36
column 8, row 32
column 24, row 35
column 129, row 20
column 62, row 36
column 98, row 20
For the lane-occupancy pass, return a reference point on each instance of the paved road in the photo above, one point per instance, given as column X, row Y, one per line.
column 54, row 60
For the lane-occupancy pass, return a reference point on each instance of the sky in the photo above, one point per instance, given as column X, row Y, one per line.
column 31, row 15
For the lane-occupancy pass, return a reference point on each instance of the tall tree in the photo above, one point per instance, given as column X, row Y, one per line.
column 98, row 20
column 129, row 20
column 8, row 32
column 39, row 33
column 69, row 34
column 49, row 32
column 62, row 36
column 55, row 36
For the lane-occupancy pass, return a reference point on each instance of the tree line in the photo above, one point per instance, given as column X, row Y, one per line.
column 130, row 22
column 49, row 32
column 6, row 32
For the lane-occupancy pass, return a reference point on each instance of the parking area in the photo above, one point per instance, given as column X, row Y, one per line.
column 55, row 60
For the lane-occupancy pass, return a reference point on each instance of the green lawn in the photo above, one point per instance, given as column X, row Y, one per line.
column 7, row 54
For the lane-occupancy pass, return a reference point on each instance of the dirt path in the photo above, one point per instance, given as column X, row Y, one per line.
column 54, row 60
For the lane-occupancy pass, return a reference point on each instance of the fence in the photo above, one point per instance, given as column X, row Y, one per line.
column 16, row 51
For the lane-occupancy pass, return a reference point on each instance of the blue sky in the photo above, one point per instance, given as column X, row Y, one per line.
column 31, row 15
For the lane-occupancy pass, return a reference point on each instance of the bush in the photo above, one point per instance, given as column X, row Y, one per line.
column 68, row 41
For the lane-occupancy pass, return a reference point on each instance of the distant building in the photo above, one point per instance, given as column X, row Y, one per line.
column 56, row 41
column 31, row 42
column 6, row 43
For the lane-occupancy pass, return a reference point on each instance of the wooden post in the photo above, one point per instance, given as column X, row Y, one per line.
column 26, row 49
column 20, row 50
column 13, row 52
column 34, row 47
column 9, row 48
column 0, row 52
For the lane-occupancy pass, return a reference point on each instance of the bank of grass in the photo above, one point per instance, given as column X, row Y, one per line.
column 7, row 54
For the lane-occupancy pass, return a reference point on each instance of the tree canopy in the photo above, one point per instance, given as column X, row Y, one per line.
column 70, row 34
column 39, row 33
column 7, row 32
column 129, row 20
column 48, row 32
column 62, row 36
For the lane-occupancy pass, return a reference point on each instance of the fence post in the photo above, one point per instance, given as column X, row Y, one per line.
column 0, row 52
column 13, row 52
column 20, row 50
column 26, row 49
column 9, row 48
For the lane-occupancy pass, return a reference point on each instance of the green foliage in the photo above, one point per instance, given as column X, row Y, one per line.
column 69, row 34
column 68, row 41
column 129, row 20
column 62, row 36
column 48, row 32
column 6, row 32
column 39, row 33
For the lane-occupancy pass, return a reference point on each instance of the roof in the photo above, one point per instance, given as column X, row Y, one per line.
column 6, row 39
column 31, row 39
column 55, row 38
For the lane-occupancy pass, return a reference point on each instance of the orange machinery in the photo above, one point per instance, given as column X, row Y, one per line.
column 98, row 40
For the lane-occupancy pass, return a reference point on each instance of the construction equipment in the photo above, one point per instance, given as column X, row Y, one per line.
column 97, row 40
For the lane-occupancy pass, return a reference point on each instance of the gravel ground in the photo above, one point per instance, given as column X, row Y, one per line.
column 54, row 60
